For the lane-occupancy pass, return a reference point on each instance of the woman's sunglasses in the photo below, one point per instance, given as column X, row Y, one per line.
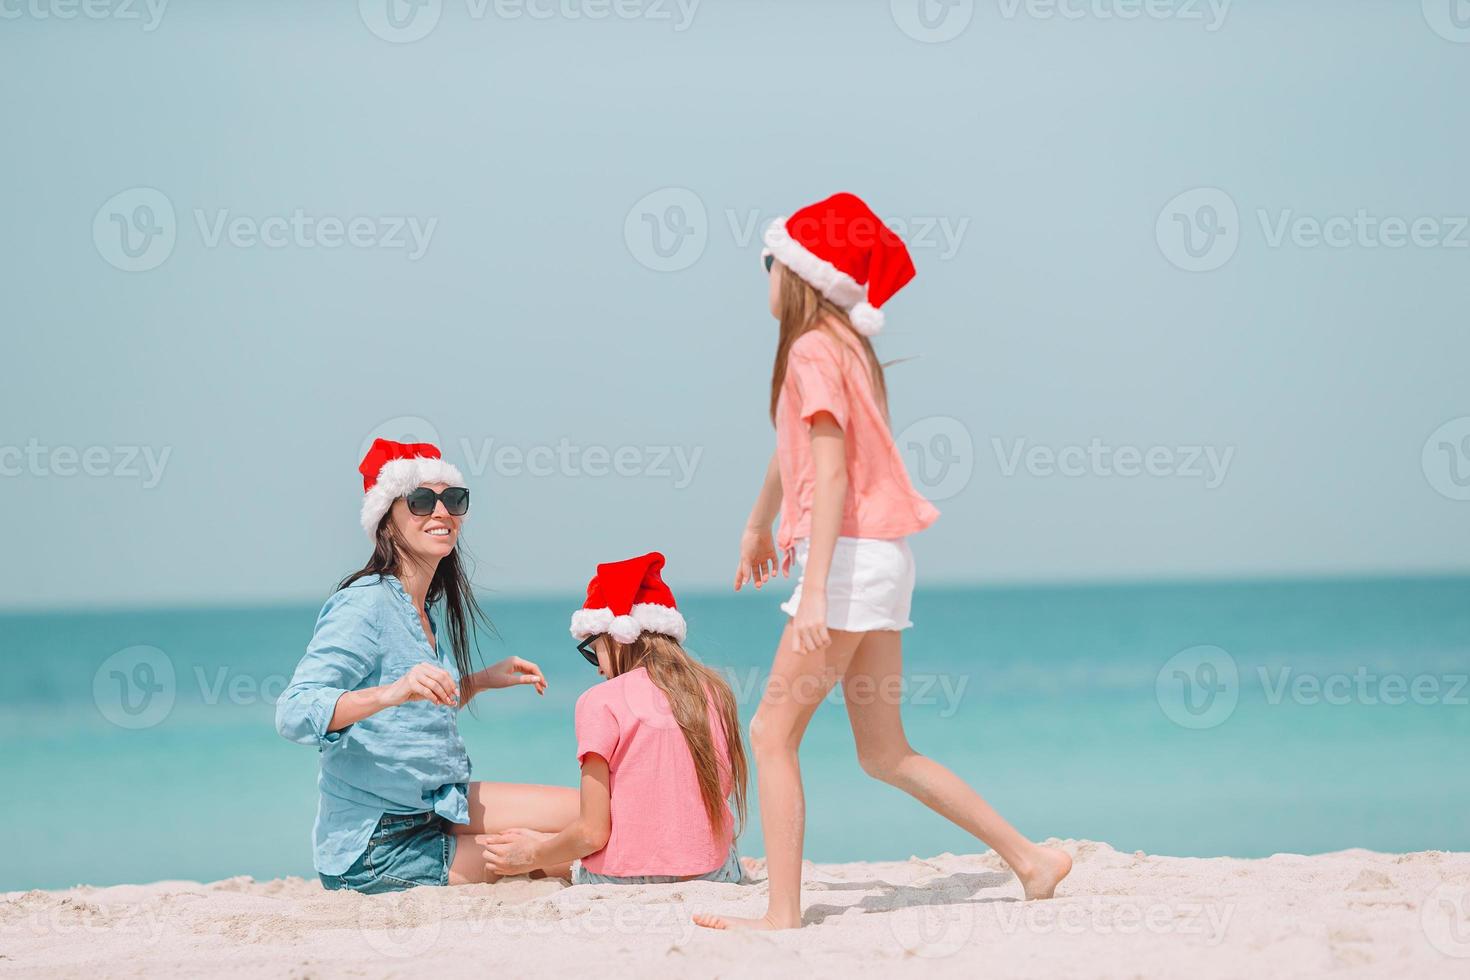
column 769, row 260
column 585, row 649
column 421, row 501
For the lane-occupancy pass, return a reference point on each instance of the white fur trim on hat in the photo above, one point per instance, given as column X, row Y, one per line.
column 396, row 478
column 866, row 320
column 624, row 629
column 831, row 281
column 645, row 617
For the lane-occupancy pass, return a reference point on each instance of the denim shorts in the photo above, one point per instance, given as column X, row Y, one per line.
column 406, row 850
column 729, row 873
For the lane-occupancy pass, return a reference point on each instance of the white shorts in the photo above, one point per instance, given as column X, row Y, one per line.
column 869, row 587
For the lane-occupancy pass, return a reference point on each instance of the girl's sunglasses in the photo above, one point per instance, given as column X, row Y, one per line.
column 421, row 501
column 585, row 649
column 769, row 260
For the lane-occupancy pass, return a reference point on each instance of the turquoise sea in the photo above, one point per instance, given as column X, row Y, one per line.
column 1193, row 719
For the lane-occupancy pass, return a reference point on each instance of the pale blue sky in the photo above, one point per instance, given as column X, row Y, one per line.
column 1283, row 399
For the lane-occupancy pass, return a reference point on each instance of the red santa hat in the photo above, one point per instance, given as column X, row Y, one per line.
column 391, row 469
column 627, row 598
column 846, row 251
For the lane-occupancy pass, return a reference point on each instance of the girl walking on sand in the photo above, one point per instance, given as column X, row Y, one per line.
column 846, row 507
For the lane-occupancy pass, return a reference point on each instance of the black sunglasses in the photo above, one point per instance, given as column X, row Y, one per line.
column 585, row 649
column 421, row 501
column 770, row 260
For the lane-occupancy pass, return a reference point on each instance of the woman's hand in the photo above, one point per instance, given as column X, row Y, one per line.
column 513, row 852
column 510, row 672
column 758, row 560
column 809, row 625
column 423, row 682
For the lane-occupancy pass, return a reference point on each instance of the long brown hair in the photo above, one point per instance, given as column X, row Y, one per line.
column 804, row 309
column 690, row 685
column 450, row 585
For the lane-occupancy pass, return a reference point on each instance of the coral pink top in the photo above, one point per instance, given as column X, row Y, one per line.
column 825, row 374
column 659, row 826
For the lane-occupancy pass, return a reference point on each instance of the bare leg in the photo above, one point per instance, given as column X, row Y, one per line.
column 870, row 688
column 500, row 806
column 468, row 866
column 797, row 685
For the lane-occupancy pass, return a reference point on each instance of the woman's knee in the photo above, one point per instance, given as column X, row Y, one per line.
column 770, row 737
column 885, row 764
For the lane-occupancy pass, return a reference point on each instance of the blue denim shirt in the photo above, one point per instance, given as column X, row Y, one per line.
column 405, row 759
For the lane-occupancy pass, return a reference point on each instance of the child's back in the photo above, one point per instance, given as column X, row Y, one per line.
column 660, row 825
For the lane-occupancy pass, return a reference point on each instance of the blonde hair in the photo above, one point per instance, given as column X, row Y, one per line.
column 690, row 686
column 804, row 309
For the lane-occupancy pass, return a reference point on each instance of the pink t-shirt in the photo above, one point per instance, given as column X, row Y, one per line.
column 659, row 826
column 825, row 374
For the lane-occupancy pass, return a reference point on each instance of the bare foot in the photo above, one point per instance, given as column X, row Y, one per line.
column 1049, row 867
column 764, row 924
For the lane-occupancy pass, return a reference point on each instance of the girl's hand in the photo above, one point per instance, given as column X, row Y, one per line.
column 423, row 682
column 809, row 625
column 511, row 672
column 758, row 560
column 513, row 852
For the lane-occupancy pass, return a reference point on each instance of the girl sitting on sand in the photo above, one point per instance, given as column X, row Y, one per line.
column 658, row 742
column 378, row 694
column 846, row 508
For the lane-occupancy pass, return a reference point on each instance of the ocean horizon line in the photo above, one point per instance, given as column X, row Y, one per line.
column 993, row 586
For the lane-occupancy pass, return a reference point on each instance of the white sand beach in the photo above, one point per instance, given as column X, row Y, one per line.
column 1351, row 913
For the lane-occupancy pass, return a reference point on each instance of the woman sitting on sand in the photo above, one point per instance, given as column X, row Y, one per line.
column 659, row 745
column 378, row 694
